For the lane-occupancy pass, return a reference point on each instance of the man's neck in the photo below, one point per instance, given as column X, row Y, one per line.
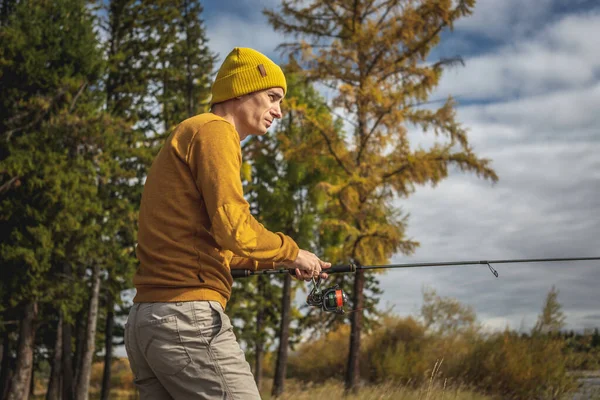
column 222, row 111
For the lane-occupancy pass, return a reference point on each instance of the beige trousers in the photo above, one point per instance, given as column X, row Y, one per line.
column 186, row 350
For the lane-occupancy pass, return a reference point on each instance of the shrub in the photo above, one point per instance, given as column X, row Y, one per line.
column 520, row 367
column 321, row 359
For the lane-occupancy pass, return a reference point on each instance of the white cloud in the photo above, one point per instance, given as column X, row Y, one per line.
column 565, row 116
column 561, row 55
column 545, row 205
column 506, row 18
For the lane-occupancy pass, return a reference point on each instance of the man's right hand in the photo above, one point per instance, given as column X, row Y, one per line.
column 308, row 266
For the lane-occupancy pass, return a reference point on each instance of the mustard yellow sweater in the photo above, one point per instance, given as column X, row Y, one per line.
column 194, row 223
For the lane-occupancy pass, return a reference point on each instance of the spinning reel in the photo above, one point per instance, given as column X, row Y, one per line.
column 332, row 299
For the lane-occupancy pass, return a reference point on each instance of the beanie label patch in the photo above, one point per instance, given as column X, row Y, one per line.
column 263, row 71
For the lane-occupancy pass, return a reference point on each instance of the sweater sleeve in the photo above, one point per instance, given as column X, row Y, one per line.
column 215, row 160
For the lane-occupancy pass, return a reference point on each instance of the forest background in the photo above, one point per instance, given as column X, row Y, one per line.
column 88, row 99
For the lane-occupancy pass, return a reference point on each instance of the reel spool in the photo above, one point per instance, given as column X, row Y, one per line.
column 332, row 299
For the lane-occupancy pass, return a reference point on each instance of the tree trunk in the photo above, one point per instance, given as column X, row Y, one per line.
column 352, row 369
column 1, row 356
column 80, row 326
column 108, row 343
column 284, row 337
column 7, row 364
column 54, row 391
column 19, row 388
column 32, row 382
column 88, row 347
column 67, row 361
column 260, row 318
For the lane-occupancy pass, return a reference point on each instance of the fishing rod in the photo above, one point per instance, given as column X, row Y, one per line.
column 334, row 299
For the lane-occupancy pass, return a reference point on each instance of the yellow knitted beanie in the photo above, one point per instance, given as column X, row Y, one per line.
column 245, row 71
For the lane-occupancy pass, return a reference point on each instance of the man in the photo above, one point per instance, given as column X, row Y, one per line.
column 194, row 226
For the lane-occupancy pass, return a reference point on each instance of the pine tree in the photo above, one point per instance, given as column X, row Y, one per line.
column 180, row 60
column 373, row 54
column 127, row 84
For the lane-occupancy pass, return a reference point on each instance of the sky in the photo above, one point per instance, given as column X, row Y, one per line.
column 529, row 94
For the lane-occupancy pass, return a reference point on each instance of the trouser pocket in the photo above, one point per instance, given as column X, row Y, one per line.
column 210, row 320
column 162, row 344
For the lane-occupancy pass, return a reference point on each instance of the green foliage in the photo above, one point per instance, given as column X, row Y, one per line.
column 51, row 145
column 178, row 58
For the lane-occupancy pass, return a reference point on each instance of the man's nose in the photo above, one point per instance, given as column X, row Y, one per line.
column 276, row 111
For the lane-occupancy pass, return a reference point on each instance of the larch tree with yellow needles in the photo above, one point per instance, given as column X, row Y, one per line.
column 373, row 55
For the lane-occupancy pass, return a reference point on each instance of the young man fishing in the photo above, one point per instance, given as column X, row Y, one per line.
column 194, row 226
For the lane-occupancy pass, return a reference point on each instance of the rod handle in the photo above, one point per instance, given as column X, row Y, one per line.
column 340, row 269
column 243, row 273
column 240, row 273
column 332, row 270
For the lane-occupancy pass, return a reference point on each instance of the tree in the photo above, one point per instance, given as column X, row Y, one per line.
column 373, row 55
column 446, row 316
column 552, row 319
column 179, row 57
column 6, row 8
column 127, row 90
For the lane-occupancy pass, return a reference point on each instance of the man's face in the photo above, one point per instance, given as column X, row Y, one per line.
column 258, row 110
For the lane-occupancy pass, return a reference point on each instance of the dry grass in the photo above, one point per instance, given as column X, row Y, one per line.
column 385, row 391
column 335, row 390
column 434, row 389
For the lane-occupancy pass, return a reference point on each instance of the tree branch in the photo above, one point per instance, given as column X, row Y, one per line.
column 6, row 186
column 332, row 151
column 79, row 92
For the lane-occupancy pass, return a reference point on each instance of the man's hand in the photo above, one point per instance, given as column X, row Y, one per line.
column 308, row 266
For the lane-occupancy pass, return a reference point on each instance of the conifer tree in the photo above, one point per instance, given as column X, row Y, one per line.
column 181, row 63
column 127, row 90
column 373, row 55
